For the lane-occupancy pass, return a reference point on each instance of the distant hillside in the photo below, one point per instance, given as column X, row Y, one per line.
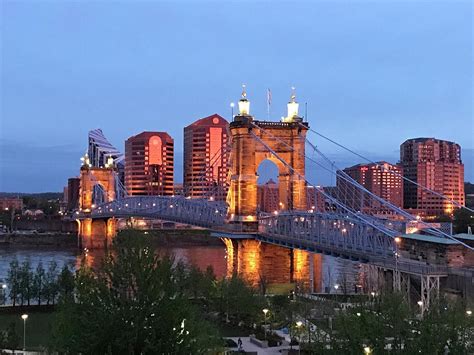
column 42, row 195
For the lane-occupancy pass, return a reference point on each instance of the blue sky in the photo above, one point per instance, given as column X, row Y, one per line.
column 373, row 73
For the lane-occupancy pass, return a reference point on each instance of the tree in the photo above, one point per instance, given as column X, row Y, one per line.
column 13, row 280
column 39, row 280
column 462, row 220
column 445, row 324
column 51, row 283
column 132, row 305
column 238, row 301
column 26, row 282
column 66, row 283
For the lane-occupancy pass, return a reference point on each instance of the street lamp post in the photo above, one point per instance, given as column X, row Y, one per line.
column 298, row 326
column 265, row 311
column 232, row 110
column 24, row 317
column 422, row 307
column 398, row 285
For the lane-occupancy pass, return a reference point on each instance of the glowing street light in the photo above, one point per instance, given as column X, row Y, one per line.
column 367, row 350
column 469, row 312
column 24, row 317
column 265, row 311
column 299, row 324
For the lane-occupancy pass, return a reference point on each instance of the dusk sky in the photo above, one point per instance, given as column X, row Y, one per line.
column 373, row 74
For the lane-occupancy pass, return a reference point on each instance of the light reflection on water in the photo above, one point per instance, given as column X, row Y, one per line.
column 333, row 270
column 202, row 257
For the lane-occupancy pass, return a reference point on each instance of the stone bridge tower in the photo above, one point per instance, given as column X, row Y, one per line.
column 95, row 233
column 247, row 154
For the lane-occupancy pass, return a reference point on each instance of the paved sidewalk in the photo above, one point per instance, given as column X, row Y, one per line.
column 248, row 346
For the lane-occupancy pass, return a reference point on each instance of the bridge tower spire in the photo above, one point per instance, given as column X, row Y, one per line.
column 248, row 154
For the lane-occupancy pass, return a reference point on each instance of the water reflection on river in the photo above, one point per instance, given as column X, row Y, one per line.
column 332, row 270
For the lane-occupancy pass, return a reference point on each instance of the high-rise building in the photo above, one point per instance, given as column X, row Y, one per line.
column 382, row 179
column 435, row 164
column 100, row 150
column 316, row 201
column 268, row 197
column 73, row 188
column 206, row 157
column 149, row 164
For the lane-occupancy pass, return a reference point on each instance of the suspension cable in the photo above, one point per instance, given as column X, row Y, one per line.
column 214, row 159
column 385, row 231
column 342, row 174
column 457, row 204
column 430, row 228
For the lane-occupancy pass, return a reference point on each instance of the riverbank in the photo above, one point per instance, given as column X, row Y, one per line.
column 182, row 237
column 47, row 239
column 159, row 238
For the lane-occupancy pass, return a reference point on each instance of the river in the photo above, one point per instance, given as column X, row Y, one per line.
column 332, row 271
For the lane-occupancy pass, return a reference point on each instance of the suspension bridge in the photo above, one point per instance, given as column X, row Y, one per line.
column 339, row 224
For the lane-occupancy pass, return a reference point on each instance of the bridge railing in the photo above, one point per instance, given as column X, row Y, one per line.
column 197, row 212
column 331, row 231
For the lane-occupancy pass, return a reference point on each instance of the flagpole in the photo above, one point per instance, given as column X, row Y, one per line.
column 269, row 98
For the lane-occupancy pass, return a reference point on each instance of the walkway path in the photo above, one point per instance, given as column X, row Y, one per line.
column 248, row 346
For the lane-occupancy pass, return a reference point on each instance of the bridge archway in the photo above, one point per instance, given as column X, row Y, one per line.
column 92, row 181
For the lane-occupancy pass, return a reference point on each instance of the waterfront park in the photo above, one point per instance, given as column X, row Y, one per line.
column 143, row 302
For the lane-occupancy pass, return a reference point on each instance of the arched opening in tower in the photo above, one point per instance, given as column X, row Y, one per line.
column 268, row 193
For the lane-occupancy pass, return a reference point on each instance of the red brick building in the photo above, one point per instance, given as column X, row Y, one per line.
column 437, row 165
column 382, row 179
column 206, row 158
column 149, row 164
column 268, row 197
column 8, row 203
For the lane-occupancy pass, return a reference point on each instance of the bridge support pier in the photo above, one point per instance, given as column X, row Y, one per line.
column 401, row 283
column 96, row 233
column 261, row 264
column 429, row 291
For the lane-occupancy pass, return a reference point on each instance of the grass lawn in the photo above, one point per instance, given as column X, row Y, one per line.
column 38, row 327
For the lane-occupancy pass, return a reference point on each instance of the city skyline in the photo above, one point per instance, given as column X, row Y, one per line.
column 381, row 76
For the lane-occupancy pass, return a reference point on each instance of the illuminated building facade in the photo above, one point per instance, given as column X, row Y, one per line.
column 149, row 164
column 316, row 202
column 382, row 179
column 437, row 165
column 8, row 203
column 267, row 197
column 206, row 157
